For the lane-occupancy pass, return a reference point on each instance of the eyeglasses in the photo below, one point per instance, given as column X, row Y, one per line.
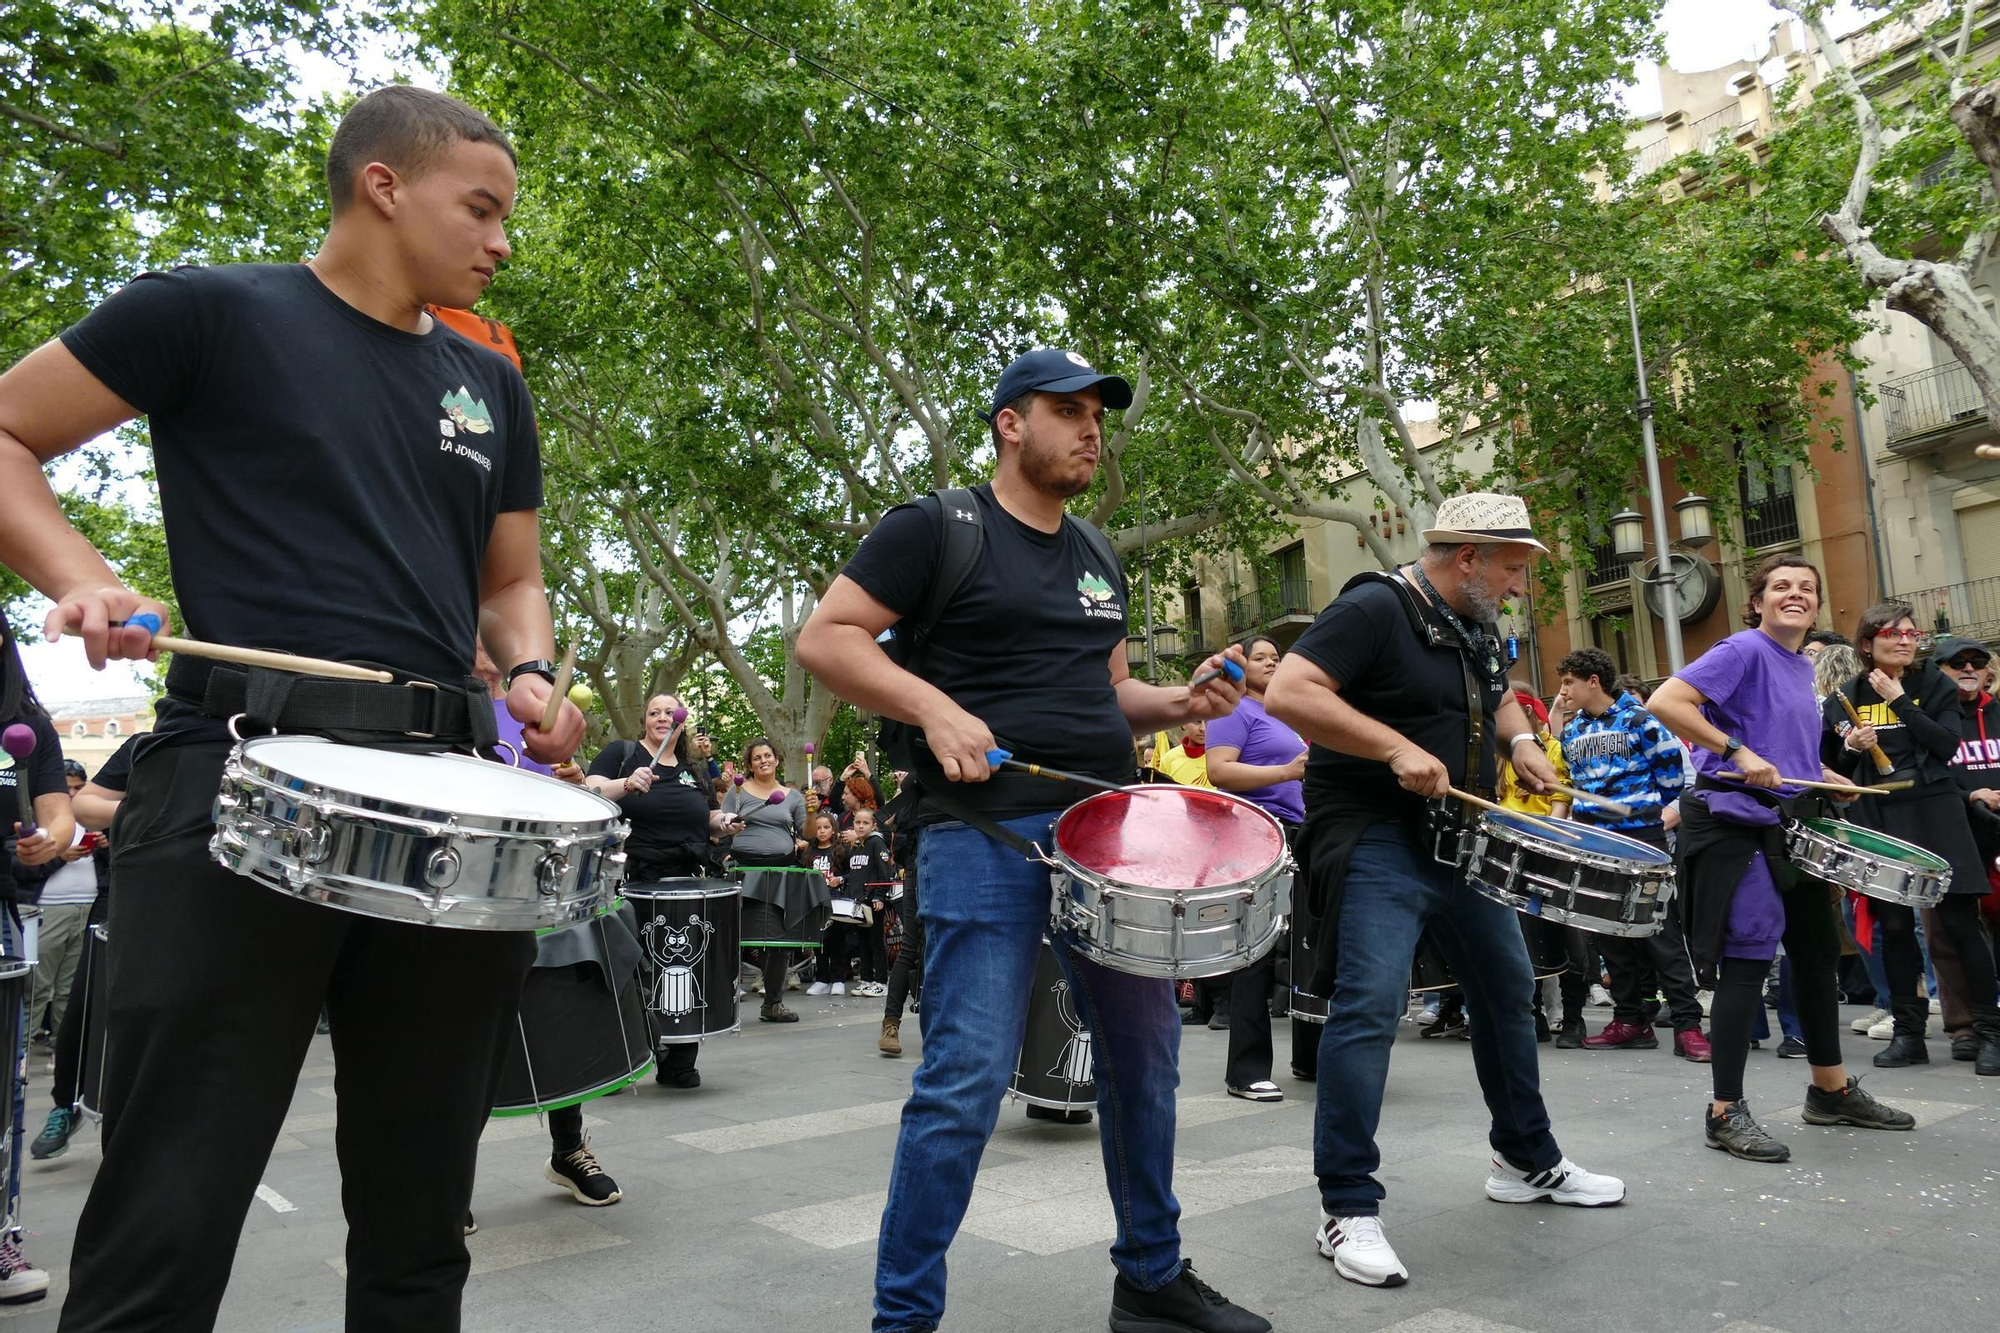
column 1899, row 634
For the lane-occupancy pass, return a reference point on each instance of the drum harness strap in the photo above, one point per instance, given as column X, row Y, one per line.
column 1450, row 636
column 414, row 713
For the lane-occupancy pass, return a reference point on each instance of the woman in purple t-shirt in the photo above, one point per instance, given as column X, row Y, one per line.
column 1746, row 707
column 1261, row 759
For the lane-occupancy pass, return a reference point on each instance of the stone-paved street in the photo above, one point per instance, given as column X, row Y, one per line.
column 751, row 1204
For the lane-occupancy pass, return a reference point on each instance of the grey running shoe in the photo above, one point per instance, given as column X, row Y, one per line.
column 1737, row 1133
column 1852, row 1106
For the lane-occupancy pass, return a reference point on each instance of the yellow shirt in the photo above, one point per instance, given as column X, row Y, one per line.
column 1174, row 762
column 1516, row 797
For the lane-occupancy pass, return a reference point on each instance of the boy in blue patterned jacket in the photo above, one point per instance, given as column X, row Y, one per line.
column 1616, row 749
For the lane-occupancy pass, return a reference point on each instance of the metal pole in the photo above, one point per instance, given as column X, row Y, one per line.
column 1146, row 574
column 1670, row 597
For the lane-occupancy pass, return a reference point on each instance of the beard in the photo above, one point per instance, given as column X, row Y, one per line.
column 1481, row 602
column 1042, row 470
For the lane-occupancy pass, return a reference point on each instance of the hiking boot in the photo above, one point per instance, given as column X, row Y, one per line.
column 1184, row 1305
column 1691, row 1045
column 579, row 1173
column 1565, row 1183
column 21, row 1281
column 1852, row 1106
column 889, row 1043
column 775, row 1012
column 1619, row 1036
column 53, row 1141
column 1360, row 1252
column 1737, row 1133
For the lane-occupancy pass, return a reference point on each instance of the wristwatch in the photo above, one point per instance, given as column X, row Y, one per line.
column 541, row 666
column 1730, row 745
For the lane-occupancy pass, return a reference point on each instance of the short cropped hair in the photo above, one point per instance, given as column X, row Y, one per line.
column 405, row 128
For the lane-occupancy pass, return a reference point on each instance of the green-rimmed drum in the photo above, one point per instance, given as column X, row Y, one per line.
column 583, row 1024
column 1870, row 863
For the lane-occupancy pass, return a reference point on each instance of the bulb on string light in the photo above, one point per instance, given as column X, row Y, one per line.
column 791, row 60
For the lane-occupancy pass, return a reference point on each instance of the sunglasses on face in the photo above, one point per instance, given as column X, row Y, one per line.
column 1967, row 663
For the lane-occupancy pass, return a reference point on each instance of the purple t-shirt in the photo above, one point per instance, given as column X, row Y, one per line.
column 1761, row 693
column 510, row 733
column 1261, row 739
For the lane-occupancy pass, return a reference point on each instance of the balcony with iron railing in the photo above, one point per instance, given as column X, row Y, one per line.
column 1606, row 568
column 1774, row 522
column 1970, row 609
column 1931, row 401
column 1287, row 600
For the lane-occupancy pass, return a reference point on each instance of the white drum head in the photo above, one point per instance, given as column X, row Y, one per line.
column 478, row 788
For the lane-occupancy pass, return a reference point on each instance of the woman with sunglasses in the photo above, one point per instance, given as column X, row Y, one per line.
column 1912, row 713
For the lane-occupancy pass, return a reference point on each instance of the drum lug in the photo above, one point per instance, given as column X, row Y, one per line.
column 550, row 870
column 441, row 870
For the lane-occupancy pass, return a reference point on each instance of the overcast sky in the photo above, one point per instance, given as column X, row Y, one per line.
column 1700, row 34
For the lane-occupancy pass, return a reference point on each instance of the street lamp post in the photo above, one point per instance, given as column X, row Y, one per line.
column 1669, row 592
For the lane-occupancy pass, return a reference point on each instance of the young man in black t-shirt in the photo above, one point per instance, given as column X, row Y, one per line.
column 1030, row 650
column 342, row 477
column 1383, row 684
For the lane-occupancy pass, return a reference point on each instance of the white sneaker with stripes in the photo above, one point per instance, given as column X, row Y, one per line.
column 1565, row 1183
column 1360, row 1252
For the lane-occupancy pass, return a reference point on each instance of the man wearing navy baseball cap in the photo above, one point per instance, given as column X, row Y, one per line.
column 1027, row 654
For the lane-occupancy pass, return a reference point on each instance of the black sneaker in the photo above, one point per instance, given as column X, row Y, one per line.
column 1184, row 1305
column 579, row 1173
column 1447, row 1025
column 53, row 1141
column 1791, row 1048
column 1570, row 1036
column 1737, row 1133
column 1852, row 1106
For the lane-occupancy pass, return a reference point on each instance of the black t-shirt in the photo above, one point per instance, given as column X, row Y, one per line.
column 669, row 819
column 328, row 483
column 117, row 770
column 43, row 774
column 1025, row 646
column 1366, row 643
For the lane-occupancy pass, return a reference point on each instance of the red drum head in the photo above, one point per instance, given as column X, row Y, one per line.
column 1170, row 837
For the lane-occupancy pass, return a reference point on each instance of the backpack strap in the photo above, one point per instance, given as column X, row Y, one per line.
column 962, row 540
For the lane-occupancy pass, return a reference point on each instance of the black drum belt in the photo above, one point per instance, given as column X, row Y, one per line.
column 438, row 713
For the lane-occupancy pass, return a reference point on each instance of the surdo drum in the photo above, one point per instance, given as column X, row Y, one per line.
column 436, row 839
column 690, row 934
column 1174, row 882
column 1054, row 1069
column 583, row 1031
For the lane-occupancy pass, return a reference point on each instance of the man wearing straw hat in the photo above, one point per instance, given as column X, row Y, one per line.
column 1401, row 687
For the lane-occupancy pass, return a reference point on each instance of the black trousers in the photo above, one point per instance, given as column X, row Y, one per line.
column 79, row 1025
column 907, row 972
column 1958, row 915
column 1660, row 959
column 214, row 995
column 1812, row 942
column 1250, row 1023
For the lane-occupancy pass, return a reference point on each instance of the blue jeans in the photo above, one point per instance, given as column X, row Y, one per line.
column 1392, row 891
column 985, row 909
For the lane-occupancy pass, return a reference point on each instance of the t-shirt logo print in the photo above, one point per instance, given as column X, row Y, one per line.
column 467, row 413
column 1098, row 598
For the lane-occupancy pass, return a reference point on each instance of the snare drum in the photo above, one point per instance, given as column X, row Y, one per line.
column 691, row 932
column 1169, row 881
column 1570, row 873
column 583, row 1031
column 1054, row 1069
column 1870, row 863
column 437, row 839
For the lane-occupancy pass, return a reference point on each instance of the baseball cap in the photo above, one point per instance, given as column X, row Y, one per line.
column 1955, row 645
column 1052, row 370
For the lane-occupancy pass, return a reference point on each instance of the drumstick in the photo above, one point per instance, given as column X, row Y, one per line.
column 1616, row 808
column 680, row 715
column 1879, row 789
column 561, row 691
column 1005, row 759
column 257, row 657
column 1875, row 752
column 19, row 743
column 1228, row 668
column 1522, row 815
